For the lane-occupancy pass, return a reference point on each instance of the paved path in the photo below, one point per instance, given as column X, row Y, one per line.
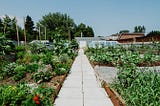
column 81, row 87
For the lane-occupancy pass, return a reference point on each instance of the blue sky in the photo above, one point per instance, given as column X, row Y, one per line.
column 104, row 16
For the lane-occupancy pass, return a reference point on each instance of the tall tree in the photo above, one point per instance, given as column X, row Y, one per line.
column 6, row 24
column 135, row 29
column 29, row 27
column 86, row 31
column 64, row 24
column 57, row 21
column 139, row 29
column 143, row 29
column 9, row 27
column 13, row 32
column 89, row 32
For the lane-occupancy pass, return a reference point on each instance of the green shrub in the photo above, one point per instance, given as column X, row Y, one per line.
column 35, row 57
column 12, row 95
column 9, row 69
column 32, row 67
column 24, row 95
column 74, row 45
column 44, row 74
column 20, row 72
column 46, row 58
column 64, row 58
column 61, row 69
column 20, row 52
column 20, row 48
column 42, row 95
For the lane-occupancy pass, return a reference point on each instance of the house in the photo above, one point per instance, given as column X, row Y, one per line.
column 128, row 37
column 125, row 36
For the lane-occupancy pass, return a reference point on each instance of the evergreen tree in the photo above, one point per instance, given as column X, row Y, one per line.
column 1, row 26
column 139, row 29
column 9, row 27
column 29, row 27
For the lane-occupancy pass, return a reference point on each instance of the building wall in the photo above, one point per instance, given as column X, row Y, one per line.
column 140, row 39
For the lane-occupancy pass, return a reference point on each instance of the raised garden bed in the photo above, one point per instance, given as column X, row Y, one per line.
column 136, row 85
column 113, row 95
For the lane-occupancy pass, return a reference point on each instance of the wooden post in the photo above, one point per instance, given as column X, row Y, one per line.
column 25, row 39
column 37, row 35
column 17, row 32
column 40, row 34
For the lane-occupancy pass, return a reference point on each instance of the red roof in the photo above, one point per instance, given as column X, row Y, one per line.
column 130, row 35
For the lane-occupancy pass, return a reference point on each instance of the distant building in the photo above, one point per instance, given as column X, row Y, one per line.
column 129, row 37
column 120, row 37
column 124, row 36
column 89, row 39
column 113, row 37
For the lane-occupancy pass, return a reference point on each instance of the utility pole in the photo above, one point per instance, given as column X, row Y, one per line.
column 17, row 32
column 25, row 39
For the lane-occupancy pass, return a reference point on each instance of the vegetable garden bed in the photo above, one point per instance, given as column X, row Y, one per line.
column 36, row 75
column 137, row 88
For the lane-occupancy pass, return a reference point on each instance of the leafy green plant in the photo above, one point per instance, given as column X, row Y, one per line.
column 138, row 88
column 149, row 57
column 13, row 95
column 8, row 69
column 64, row 58
column 74, row 45
column 20, row 72
column 21, row 95
column 61, row 69
column 32, row 67
column 144, row 90
column 42, row 95
column 46, row 58
column 43, row 74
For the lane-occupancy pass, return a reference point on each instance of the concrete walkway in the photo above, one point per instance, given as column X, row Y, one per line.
column 81, row 87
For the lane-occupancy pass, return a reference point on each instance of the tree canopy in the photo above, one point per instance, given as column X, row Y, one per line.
column 66, row 25
column 124, row 31
column 139, row 29
column 29, row 27
column 153, row 33
column 86, row 31
column 57, row 22
column 49, row 25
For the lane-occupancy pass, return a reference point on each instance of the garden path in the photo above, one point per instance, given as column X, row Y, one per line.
column 81, row 88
